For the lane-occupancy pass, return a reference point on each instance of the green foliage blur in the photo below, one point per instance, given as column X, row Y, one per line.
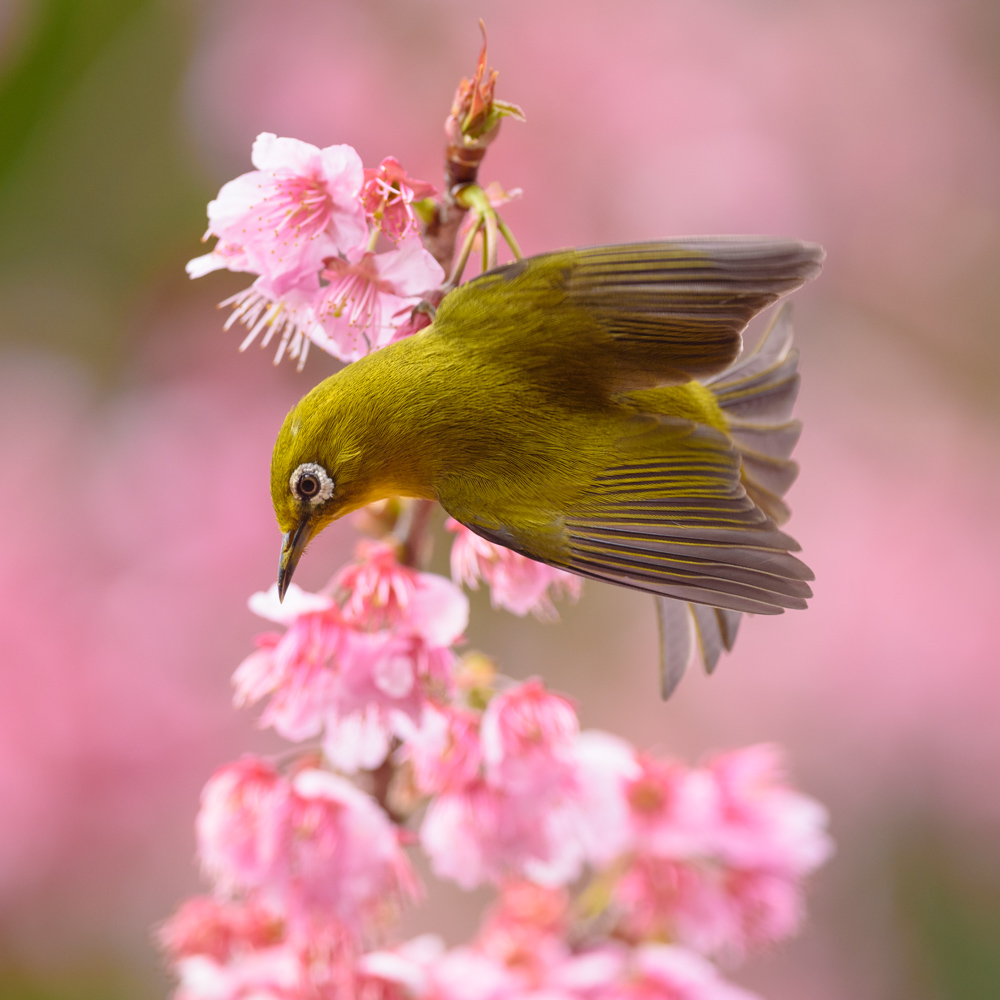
column 97, row 187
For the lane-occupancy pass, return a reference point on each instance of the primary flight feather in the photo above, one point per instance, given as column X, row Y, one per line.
column 589, row 409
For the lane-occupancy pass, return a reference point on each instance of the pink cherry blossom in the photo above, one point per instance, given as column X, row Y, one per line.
column 468, row 974
column 341, row 856
column 224, row 255
column 359, row 740
column 382, row 593
column 521, row 818
column 716, row 856
column 327, row 673
column 526, row 930
column 404, row 973
column 418, row 319
column 388, row 194
column 483, row 834
column 297, row 669
column 519, row 584
column 659, row 897
column 377, row 586
column 668, row 809
column 297, row 602
column 527, row 737
column 760, row 821
column 378, row 686
column 605, row 766
column 667, row 972
column 237, row 833
column 368, row 296
column 705, row 905
column 289, row 316
column 444, row 749
column 276, row 973
column 299, row 206
column 205, row 925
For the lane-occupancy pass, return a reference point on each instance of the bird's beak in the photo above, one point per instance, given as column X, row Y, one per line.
column 292, row 545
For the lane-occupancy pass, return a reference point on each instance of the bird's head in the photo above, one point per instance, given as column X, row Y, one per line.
column 316, row 476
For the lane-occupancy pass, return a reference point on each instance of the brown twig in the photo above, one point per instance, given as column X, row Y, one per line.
column 472, row 124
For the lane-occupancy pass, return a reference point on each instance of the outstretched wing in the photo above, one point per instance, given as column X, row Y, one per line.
column 656, row 313
column 670, row 516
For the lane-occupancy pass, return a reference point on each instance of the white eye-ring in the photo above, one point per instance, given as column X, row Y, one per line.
column 311, row 483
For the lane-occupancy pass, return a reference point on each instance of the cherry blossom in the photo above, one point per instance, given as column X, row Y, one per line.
column 444, row 749
column 666, row 972
column 341, row 855
column 289, row 316
column 276, row 973
column 388, row 195
column 521, row 817
column 300, row 205
column 762, row 823
column 668, row 812
column 716, row 856
column 518, row 584
column 369, row 295
column 380, row 592
column 378, row 588
column 527, row 738
column 314, row 846
column 218, row 928
column 329, row 673
column 483, row 834
column 298, row 670
column 237, row 825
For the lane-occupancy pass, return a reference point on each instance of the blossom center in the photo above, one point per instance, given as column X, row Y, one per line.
column 296, row 206
column 354, row 291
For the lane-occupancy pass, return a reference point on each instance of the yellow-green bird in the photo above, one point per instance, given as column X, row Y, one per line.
column 589, row 409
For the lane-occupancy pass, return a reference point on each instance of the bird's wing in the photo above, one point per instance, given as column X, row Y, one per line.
column 668, row 516
column 667, row 311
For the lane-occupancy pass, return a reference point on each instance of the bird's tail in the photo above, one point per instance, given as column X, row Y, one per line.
column 756, row 394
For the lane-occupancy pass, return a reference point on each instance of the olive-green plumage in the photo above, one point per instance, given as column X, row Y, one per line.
column 554, row 406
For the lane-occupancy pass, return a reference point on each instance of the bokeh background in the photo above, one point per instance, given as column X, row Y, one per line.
column 134, row 512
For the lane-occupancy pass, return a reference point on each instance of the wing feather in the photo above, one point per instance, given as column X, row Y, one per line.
column 663, row 312
column 672, row 517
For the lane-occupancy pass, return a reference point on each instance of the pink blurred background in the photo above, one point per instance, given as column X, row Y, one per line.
column 136, row 441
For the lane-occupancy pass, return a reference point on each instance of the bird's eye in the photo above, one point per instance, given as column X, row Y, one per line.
column 311, row 483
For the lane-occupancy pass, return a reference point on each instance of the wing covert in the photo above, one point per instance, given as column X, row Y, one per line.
column 664, row 311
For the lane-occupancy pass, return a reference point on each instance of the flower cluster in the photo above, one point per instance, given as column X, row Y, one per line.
column 355, row 672
column 497, row 784
column 307, row 223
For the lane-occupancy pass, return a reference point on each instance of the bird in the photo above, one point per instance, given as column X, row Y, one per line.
column 592, row 409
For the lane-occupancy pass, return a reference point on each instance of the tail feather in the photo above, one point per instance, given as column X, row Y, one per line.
column 686, row 628
column 756, row 393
